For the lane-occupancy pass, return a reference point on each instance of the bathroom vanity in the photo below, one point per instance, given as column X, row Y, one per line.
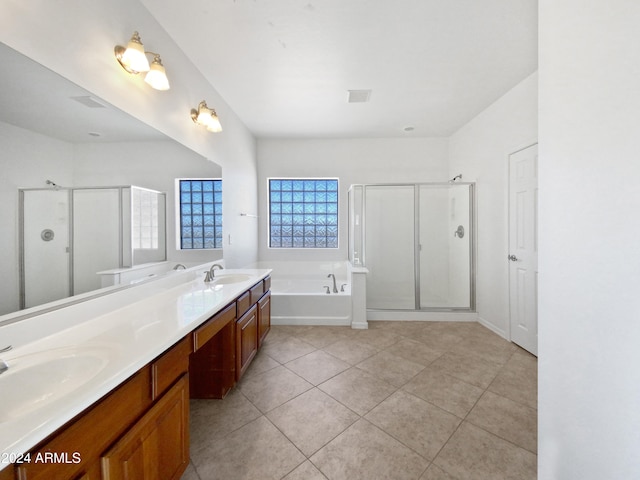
column 133, row 415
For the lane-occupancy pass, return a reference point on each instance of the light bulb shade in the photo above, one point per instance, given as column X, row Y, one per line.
column 206, row 117
column 133, row 58
column 214, row 124
column 157, row 76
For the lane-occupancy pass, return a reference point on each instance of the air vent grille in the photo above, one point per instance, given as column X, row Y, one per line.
column 359, row 96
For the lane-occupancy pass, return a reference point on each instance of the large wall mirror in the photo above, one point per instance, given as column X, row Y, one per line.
column 55, row 139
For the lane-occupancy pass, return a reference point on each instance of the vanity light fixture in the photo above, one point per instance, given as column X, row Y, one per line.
column 133, row 59
column 206, row 117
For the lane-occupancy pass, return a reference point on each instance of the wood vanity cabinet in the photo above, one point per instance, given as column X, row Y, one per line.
column 212, row 366
column 246, row 340
column 157, row 446
column 264, row 317
column 136, row 426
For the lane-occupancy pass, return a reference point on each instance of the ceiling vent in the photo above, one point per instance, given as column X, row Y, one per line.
column 359, row 96
column 88, row 101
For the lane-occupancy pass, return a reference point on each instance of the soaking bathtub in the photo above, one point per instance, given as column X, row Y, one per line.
column 298, row 293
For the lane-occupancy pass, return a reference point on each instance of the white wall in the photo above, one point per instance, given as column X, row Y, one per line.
column 589, row 323
column 479, row 151
column 352, row 161
column 153, row 165
column 27, row 161
column 76, row 38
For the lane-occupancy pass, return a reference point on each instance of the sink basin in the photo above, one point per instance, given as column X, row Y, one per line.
column 38, row 379
column 223, row 279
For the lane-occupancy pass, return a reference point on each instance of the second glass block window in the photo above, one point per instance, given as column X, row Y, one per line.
column 303, row 213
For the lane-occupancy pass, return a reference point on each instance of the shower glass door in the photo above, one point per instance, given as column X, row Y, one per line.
column 444, row 246
column 418, row 246
column 390, row 239
column 45, row 243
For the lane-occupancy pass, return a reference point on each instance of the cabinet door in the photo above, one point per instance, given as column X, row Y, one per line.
column 246, row 339
column 264, row 317
column 157, row 446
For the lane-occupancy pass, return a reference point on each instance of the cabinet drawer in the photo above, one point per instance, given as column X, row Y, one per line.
column 256, row 292
column 169, row 366
column 212, row 326
column 267, row 283
column 244, row 303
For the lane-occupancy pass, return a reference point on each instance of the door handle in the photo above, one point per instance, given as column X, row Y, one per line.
column 513, row 258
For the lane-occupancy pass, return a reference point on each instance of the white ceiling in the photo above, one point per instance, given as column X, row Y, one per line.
column 285, row 66
column 35, row 98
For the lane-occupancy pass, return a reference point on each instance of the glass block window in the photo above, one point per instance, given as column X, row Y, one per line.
column 200, row 213
column 303, row 213
column 144, row 219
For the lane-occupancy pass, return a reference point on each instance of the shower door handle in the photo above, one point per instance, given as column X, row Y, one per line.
column 513, row 258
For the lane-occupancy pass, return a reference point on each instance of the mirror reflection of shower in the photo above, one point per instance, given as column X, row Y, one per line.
column 416, row 240
column 68, row 235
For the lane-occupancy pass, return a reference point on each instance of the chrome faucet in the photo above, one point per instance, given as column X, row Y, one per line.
column 335, row 288
column 211, row 273
column 3, row 365
column 179, row 266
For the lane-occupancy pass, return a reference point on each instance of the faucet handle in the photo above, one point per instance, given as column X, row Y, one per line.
column 342, row 287
column 328, row 289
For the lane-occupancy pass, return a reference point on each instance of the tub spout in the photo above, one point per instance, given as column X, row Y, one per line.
column 332, row 276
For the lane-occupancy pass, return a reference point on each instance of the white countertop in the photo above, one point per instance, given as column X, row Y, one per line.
column 125, row 331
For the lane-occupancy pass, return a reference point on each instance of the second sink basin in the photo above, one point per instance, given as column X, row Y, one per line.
column 223, row 279
column 37, row 379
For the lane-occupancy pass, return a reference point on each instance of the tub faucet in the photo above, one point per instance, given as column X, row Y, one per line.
column 3, row 367
column 179, row 266
column 211, row 273
column 335, row 288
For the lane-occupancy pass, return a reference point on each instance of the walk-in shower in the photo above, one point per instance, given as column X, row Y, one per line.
column 67, row 235
column 417, row 241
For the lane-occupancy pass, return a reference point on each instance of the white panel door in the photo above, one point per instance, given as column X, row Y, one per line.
column 523, row 248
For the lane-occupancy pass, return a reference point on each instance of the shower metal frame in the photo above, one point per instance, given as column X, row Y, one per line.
column 416, row 241
column 21, row 213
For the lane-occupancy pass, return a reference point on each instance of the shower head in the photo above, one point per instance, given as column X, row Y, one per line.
column 457, row 177
column 53, row 184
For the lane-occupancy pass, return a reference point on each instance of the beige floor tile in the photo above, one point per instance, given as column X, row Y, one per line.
column 416, row 423
column 306, row 471
column 257, row 451
column 467, row 368
column 391, row 368
column 211, row 419
column 496, row 351
column 506, row 419
column 311, row 420
column 351, row 350
column 437, row 339
column 415, row 351
column 317, row 367
column 320, row 337
column 363, row 452
column 436, row 473
column 190, row 473
column 444, row 391
column 273, row 388
column 260, row 363
column 518, row 380
column 287, row 349
column 378, row 338
column 480, row 455
column 358, row 390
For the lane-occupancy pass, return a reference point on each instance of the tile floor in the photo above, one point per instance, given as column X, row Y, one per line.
column 400, row 401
